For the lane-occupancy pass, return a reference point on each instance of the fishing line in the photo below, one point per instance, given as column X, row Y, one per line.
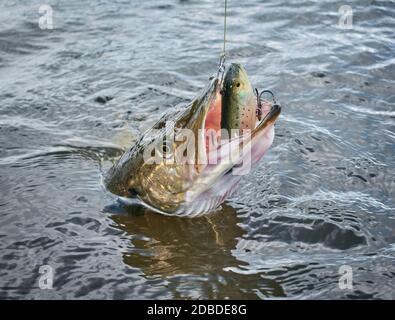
column 224, row 48
column 221, row 68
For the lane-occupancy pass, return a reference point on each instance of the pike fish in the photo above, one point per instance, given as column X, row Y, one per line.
column 201, row 148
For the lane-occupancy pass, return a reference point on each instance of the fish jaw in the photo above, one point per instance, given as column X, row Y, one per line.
column 191, row 189
column 162, row 185
column 236, row 158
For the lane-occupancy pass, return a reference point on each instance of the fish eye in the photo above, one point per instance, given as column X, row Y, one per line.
column 166, row 148
column 132, row 192
column 238, row 84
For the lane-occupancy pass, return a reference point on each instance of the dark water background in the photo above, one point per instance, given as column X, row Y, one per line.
column 323, row 196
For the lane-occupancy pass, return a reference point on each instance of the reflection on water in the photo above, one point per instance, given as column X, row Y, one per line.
column 73, row 97
column 197, row 251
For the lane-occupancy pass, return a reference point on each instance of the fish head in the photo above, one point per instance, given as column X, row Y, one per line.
column 183, row 165
column 238, row 100
column 237, row 86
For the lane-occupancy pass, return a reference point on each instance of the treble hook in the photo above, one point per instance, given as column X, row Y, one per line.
column 259, row 102
column 221, row 68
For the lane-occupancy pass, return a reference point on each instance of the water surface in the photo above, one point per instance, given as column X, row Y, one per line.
column 322, row 197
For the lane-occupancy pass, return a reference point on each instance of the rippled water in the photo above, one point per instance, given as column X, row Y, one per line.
column 73, row 97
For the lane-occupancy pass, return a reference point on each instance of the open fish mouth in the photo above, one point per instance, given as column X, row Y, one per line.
column 231, row 155
column 190, row 161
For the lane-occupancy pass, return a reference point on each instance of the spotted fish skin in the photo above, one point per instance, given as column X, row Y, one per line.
column 238, row 100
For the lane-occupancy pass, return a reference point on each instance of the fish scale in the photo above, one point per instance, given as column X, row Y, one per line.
column 238, row 101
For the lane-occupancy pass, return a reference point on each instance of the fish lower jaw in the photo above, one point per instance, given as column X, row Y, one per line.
column 187, row 209
column 199, row 208
column 208, row 202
